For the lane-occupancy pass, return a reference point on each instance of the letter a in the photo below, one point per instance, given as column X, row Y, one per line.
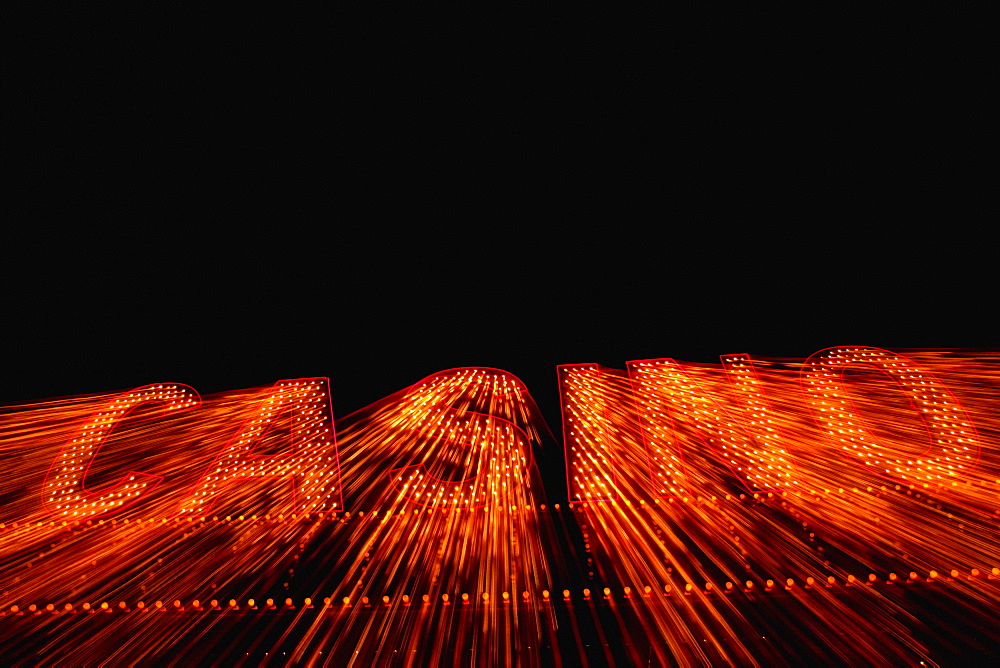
column 312, row 465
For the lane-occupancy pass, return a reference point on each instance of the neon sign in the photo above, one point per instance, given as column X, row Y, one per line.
column 657, row 413
column 692, row 491
column 677, row 414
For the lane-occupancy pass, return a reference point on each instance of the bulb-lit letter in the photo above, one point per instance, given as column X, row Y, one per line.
column 953, row 449
column 312, row 463
column 65, row 488
column 463, row 458
column 664, row 389
column 592, row 444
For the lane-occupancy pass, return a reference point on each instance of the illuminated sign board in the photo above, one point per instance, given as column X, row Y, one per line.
column 693, row 491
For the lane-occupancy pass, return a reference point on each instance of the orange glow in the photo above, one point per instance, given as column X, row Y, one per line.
column 65, row 494
column 458, row 416
column 312, row 465
column 718, row 513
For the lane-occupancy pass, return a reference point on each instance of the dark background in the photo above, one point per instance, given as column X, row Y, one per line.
column 375, row 198
column 229, row 201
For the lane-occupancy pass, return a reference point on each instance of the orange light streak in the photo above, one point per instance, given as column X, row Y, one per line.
column 730, row 520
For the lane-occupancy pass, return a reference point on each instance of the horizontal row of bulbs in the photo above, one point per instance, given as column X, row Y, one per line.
column 627, row 592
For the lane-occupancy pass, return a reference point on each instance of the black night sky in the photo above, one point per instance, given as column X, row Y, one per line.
column 387, row 196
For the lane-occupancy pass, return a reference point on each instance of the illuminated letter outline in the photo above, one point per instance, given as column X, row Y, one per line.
column 667, row 441
column 816, row 372
column 468, row 417
column 605, row 460
column 91, row 438
column 239, row 452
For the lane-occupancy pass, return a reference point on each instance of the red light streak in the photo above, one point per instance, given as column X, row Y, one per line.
column 953, row 448
column 488, row 453
column 727, row 524
column 312, row 466
column 65, row 492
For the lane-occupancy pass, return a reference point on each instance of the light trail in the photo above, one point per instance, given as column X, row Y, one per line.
column 682, row 512
column 726, row 523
